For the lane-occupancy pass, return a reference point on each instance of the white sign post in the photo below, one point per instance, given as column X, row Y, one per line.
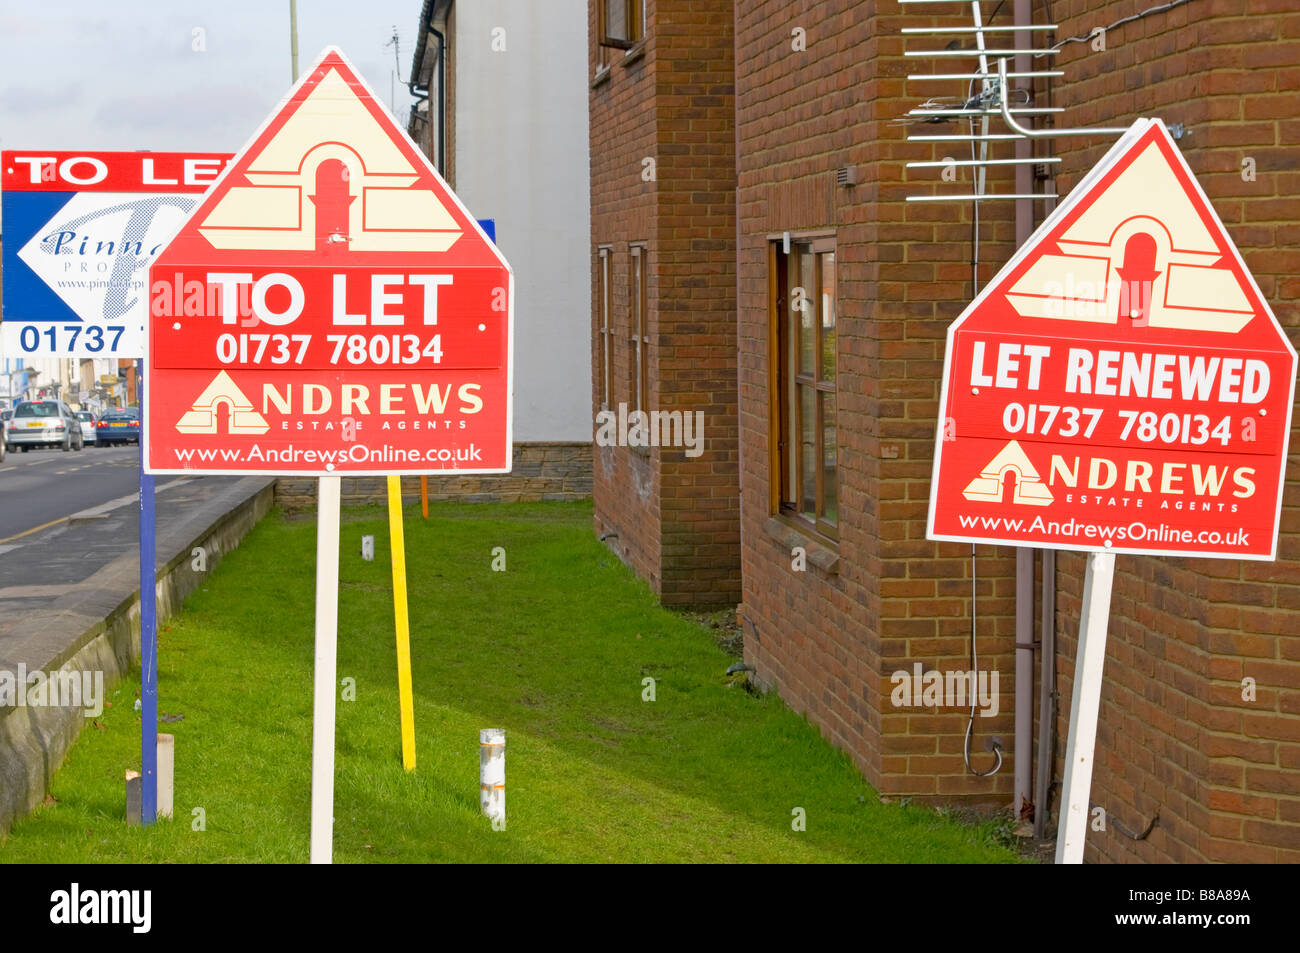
column 327, row 630
column 1084, row 706
column 329, row 194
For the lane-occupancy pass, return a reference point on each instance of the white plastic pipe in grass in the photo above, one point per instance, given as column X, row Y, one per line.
column 492, row 775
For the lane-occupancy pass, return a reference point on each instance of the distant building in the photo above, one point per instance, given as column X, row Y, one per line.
column 663, row 261
column 504, row 119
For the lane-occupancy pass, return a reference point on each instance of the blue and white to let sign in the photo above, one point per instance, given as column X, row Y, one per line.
column 80, row 231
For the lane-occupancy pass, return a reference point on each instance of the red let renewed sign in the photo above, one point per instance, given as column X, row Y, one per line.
column 1121, row 385
column 330, row 307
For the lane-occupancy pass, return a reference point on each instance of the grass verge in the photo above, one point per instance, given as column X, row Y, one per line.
column 555, row 649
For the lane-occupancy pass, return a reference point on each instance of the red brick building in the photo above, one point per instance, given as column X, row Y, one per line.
column 843, row 294
column 663, row 230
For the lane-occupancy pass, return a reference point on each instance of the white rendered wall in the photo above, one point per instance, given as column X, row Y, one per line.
column 522, row 159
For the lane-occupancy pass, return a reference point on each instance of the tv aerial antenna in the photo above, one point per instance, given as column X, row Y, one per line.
column 990, row 94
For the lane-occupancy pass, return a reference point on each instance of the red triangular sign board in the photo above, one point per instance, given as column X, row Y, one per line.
column 330, row 306
column 1121, row 385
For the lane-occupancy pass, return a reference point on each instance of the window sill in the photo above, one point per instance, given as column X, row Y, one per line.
column 634, row 54
column 601, row 77
column 820, row 554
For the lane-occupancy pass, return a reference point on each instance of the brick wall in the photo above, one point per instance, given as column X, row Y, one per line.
column 625, row 482
column 662, row 169
column 1175, row 735
column 829, row 637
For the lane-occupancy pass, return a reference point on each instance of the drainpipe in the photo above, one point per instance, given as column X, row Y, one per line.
column 438, row 121
column 1046, row 696
column 442, row 101
column 1023, row 16
column 1047, row 680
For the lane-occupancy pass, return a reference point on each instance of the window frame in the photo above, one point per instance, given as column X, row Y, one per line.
column 634, row 13
column 786, row 380
column 604, row 329
column 638, row 326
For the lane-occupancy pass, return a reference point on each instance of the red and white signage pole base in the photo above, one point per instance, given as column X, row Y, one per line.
column 1072, row 828
column 327, row 629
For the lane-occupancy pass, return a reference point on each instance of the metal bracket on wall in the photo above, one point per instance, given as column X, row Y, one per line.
column 1051, row 133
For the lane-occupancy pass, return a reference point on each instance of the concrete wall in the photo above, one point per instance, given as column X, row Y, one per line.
column 520, row 145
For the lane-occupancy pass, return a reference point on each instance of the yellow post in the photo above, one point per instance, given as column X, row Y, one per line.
column 397, row 543
column 424, row 496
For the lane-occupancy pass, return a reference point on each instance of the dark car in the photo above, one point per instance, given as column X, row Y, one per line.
column 43, row 423
column 118, row 426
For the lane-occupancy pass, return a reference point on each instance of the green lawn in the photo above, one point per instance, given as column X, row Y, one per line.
column 554, row 650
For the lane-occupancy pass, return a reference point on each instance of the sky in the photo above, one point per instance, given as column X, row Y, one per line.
column 178, row 75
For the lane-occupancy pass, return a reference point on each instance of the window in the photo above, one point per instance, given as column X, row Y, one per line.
column 804, row 411
column 605, row 337
column 638, row 336
column 622, row 22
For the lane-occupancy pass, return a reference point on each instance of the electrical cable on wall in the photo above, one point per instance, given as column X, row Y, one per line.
column 974, row 667
column 1085, row 37
column 995, row 92
column 978, row 182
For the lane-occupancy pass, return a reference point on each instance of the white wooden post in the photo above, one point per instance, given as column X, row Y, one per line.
column 166, row 774
column 327, row 618
column 1073, row 826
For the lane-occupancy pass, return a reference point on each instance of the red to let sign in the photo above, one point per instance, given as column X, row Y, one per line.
column 330, row 307
column 1121, row 385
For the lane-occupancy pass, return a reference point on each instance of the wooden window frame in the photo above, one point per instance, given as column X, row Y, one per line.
column 785, row 379
column 634, row 16
column 638, row 326
column 604, row 330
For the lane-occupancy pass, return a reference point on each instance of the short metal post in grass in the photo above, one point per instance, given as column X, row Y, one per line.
column 492, row 775
column 166, row 774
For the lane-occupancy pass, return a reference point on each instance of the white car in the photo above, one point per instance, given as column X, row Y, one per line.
column 88, row 420
column 43, row 423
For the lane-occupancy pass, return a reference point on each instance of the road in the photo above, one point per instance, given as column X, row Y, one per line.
column 43, row 487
